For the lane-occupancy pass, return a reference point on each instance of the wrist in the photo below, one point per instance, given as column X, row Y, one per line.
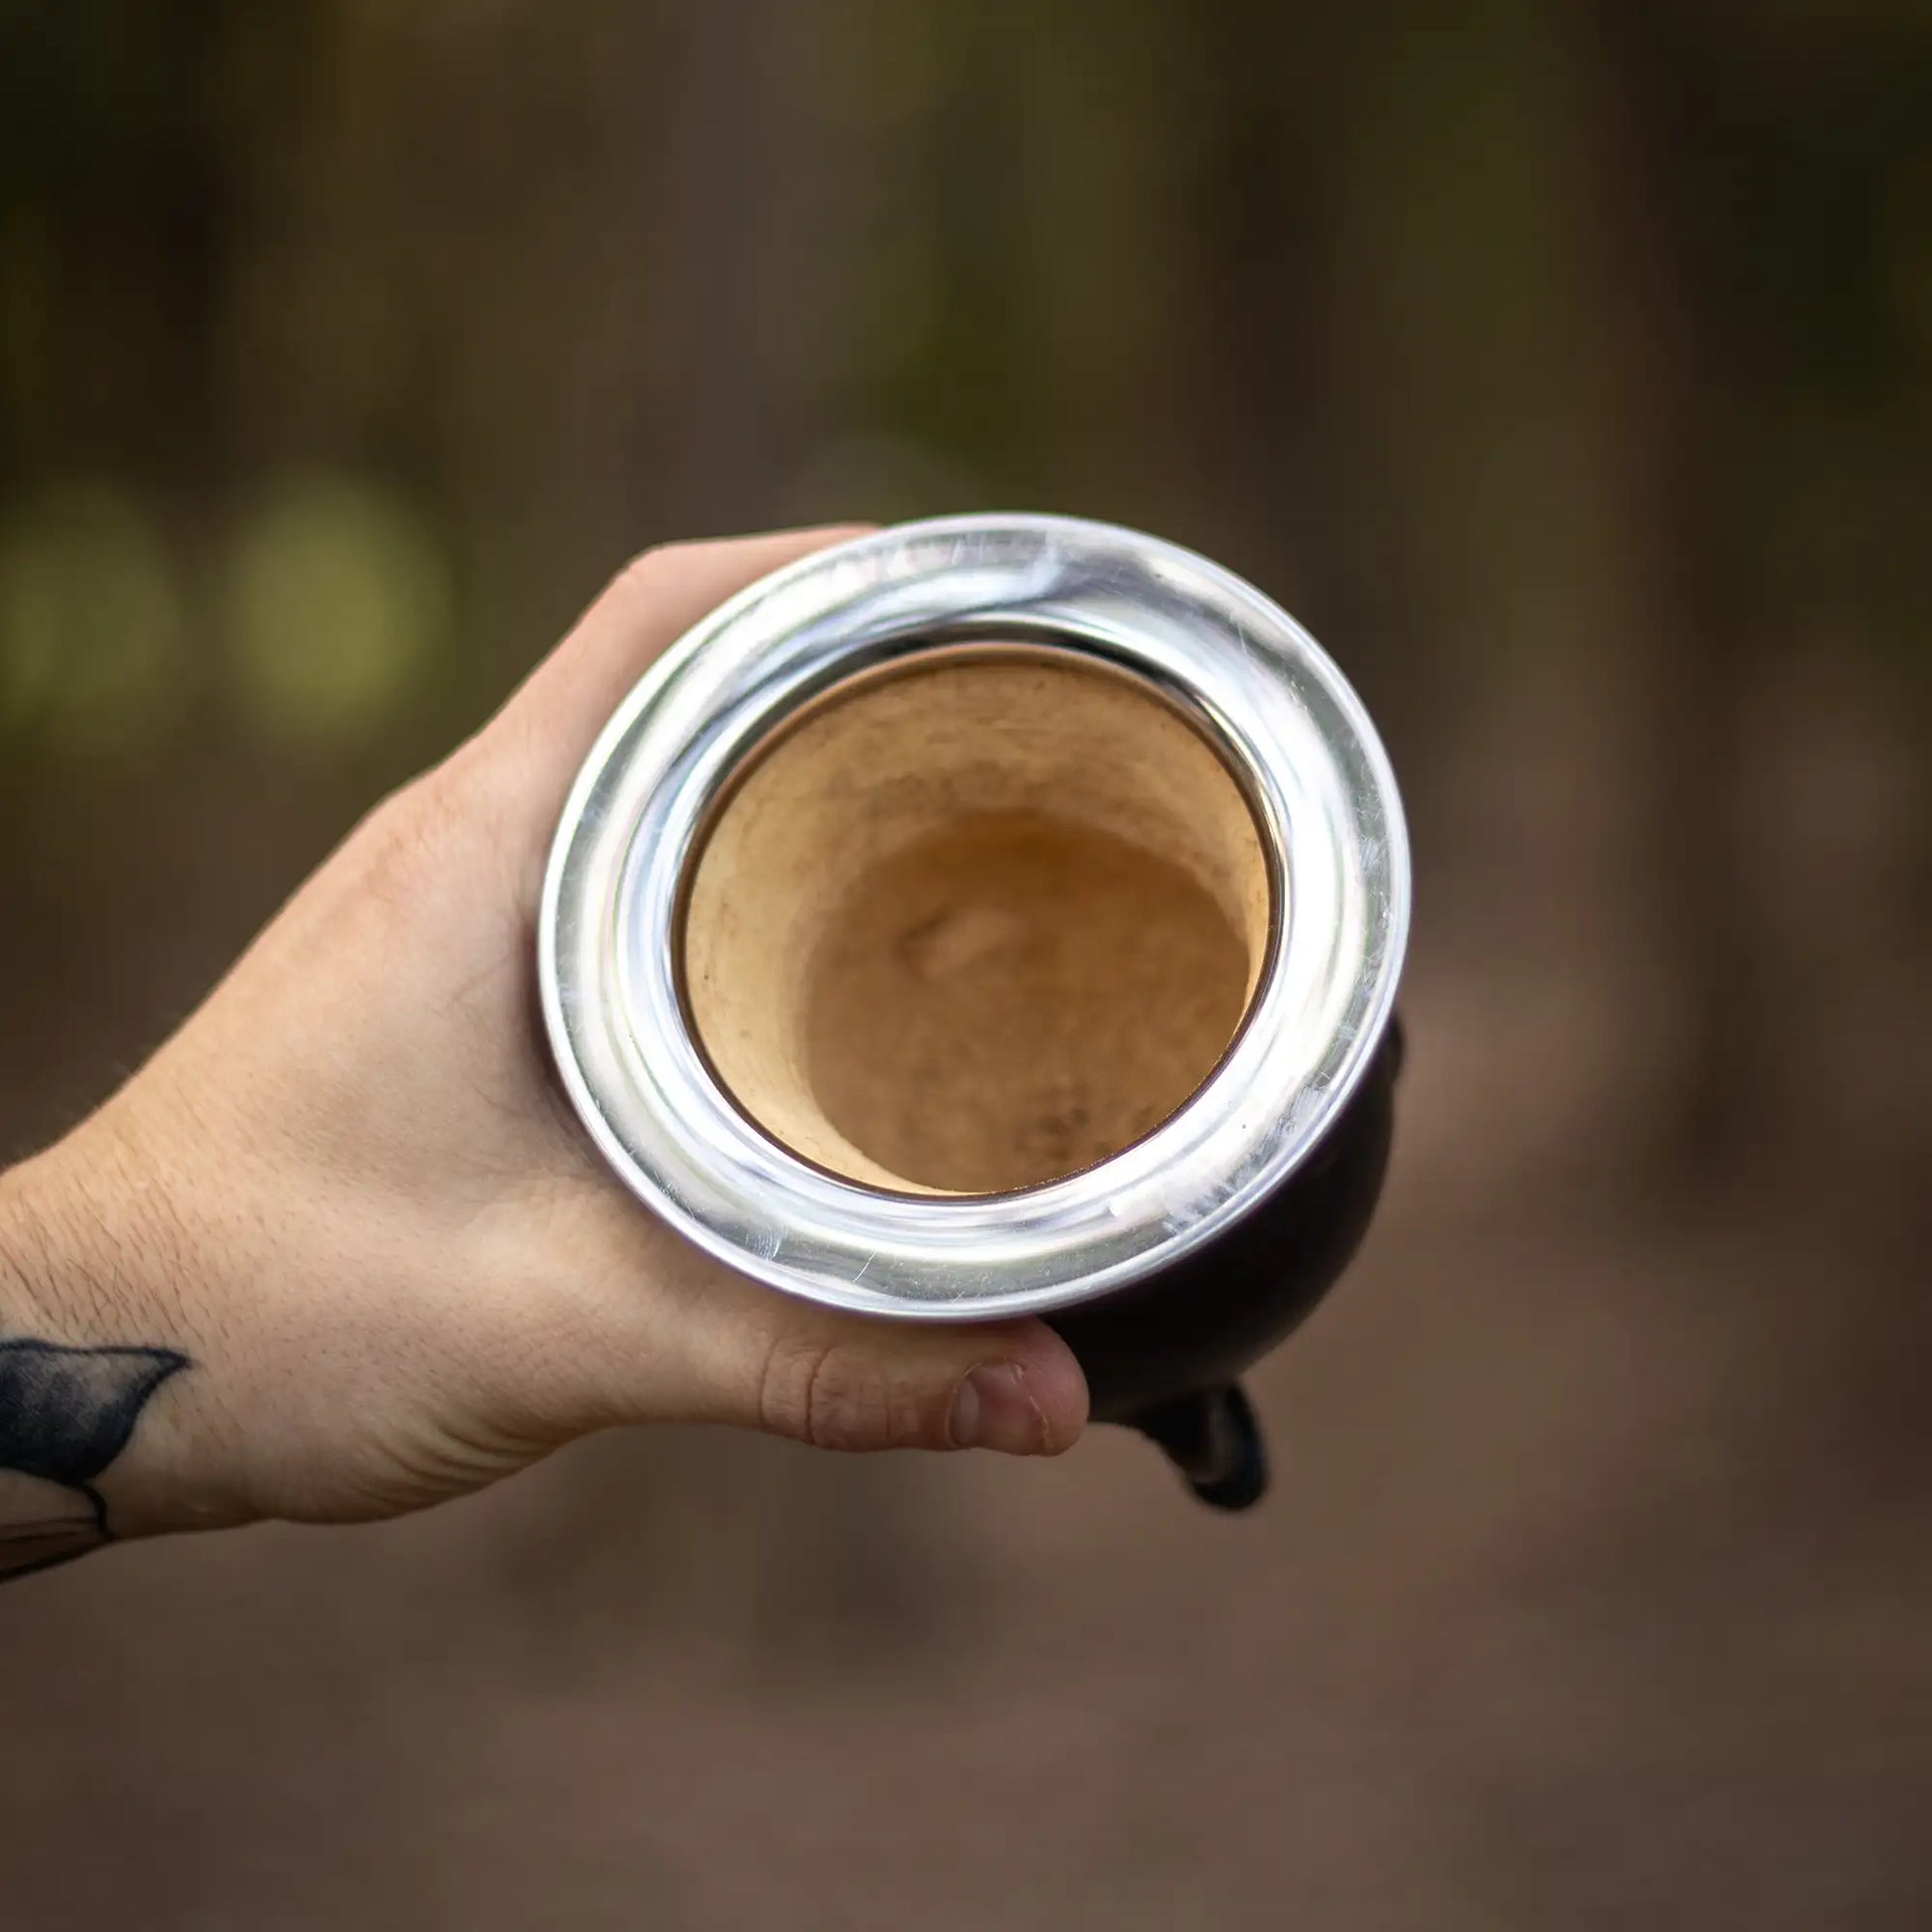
column 107, row 1358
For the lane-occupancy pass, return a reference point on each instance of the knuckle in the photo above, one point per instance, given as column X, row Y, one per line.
column 405, row 839
column 644, row 574
column 830, row 1395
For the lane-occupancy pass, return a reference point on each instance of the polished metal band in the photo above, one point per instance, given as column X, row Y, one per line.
column 1254, row 681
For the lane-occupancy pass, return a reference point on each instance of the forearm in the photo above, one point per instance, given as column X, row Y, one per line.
column 103, row 1433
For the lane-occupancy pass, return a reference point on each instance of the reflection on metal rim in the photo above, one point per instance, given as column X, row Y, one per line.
column 1269, row 699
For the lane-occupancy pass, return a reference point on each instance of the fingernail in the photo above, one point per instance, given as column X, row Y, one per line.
column 993, row 1410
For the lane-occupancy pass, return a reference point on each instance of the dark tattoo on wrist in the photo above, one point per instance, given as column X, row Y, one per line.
column 65, row 1414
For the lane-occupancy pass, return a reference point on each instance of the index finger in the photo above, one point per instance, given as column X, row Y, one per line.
column 568, row 699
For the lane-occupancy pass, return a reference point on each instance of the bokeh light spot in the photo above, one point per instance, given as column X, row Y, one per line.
column 339, row 601
column 90, row 622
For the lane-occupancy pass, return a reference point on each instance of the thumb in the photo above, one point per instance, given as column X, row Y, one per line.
column 625, row 1322
column 865, row 1382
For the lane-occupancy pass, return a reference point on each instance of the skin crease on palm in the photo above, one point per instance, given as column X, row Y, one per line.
column 350, row 1192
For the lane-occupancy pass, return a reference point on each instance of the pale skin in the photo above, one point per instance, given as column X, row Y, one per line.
column 353, row 1222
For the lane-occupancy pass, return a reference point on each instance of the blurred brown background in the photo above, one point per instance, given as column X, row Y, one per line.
column 1569, row 370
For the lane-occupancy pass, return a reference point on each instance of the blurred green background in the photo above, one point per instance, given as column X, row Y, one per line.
column 1568, row 369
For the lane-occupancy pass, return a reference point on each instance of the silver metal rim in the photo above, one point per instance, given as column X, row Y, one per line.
column 1266, row 692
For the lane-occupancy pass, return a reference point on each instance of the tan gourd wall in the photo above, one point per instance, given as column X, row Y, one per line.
column 975, row 922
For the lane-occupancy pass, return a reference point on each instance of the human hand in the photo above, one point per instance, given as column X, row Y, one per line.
column 349, row 1211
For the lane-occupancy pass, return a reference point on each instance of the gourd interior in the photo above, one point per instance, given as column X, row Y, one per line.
column 975, row 921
